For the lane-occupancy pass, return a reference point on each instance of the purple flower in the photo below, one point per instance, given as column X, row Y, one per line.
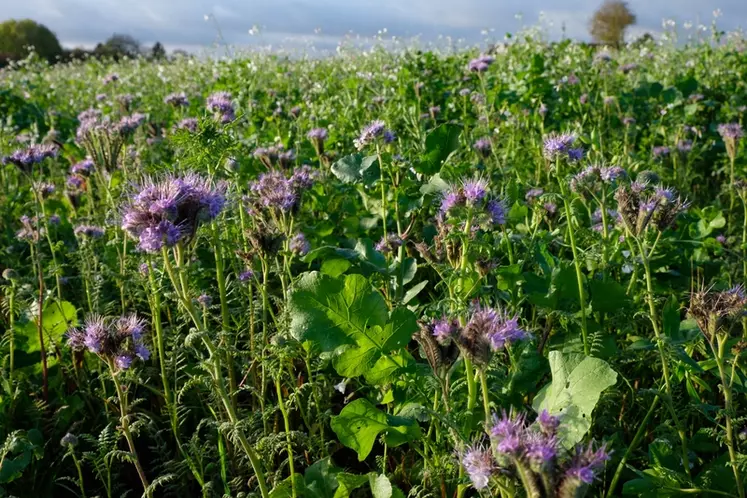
column 587, row 462
column 483, row 147
column 548, row 423
column 660, row 151
column 189, row 124
column 303, row 178
column 550, row 207
column 141, row 351
column 628, row 120
column 374, row 131
column 54, row 220
column 685, row 146
column 144, row 269
column 730, row 131
column 540, row 448
column 124, row 361
column 474, row 191
column 205, row 300
column 35, row 154
column 478, row 462
column 95, row 332
column 272, row 190
column 444, row 329
column 220, row 102
column 90, row 231
column 533, row 193
column 177, row 99
column 508, row 432
column 389, row 243
column 626, row 68
column 558, row 145
column 84, row 167
column 451, row 199
column 721, row 239
column 575, row 154
column 246, row 275
column 584, row 98
column 465, row 92
column 317, row 135
column 480, row 64
column 612, row 173
column 299, row 245
column 497, row 210
column 129, row 124
column 506, row 331
column 153, row 238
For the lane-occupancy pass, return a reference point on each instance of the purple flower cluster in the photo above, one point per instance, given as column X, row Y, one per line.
column 474, row 193
column 299, row 244
column 30, row 230
column 592, row 178
column 189, row 124
column 110, row 78
column 372, row 133
column 273, row 190
column 483, row 147
column 35, row 154
column 557, row 146
column 444, row 329
column 318, row 136
column 495, row 326
column 640, row 206
column 221, row 104
column 389, row 244
column 90, row 231
column 115, row 340
column 534, row 453
column 177, row 99
column 164, row 212
column 660, row 151
column 480, row 64
column 730, row 131
column 128, row 124
column 84, row 167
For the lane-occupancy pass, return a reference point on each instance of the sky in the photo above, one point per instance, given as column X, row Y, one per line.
column 192, row 24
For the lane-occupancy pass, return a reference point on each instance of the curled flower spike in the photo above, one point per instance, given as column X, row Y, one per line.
column 375, row 131
column 389, row 244
column 118, row 340
column 163, row 213
column 715, row 311
column 557, row 146
column 479, row 464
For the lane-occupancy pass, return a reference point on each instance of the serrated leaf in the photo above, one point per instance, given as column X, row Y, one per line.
column 577, row 383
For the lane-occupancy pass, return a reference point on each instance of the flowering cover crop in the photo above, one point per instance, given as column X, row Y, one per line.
column 516, row 273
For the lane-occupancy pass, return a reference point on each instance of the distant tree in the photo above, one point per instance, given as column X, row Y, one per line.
column 158, row 52
column 17, row 36
column 609, row 22
column 180, row 52
column 118, row 46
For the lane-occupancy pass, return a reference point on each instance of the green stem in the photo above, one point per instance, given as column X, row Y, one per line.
column 633, row 445
column 485, row 396
column 123, row 411
column 728, row 408
column 577, row 266
column 80, row 474
column 288, row 441
column 662, row 355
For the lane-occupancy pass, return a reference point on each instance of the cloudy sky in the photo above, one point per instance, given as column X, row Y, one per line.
column 192, row 24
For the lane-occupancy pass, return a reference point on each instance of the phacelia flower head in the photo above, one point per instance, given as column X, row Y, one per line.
column 479, row 464
column 170, row 210
column 480, row 64
column 35, row 154
column 299, row 244
column 90, row 231
column 84, row 167
column 489, row 329
column 556, row 146
column 377, row 130
column 660, row 151
column 731, row 131
column 450, row 199
column 177, row 99
column 317, row 137
column 189, row 124
column 116, row 340
column 444, row 329
column 474, row 191
column 483, row 147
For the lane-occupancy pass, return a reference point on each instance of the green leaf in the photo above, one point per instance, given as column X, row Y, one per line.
column 671, row 319
column 332, row 312
column 356, row 168
column 58, row 317
column 321, row 479
column 358, row 425
column 439, row 145
column 348, row 483
column 335, row 267
column 380, row 486
column 577, row 383
column 414, row 291
column 607, row 297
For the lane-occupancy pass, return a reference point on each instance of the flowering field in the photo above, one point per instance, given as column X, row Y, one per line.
column 514, row 274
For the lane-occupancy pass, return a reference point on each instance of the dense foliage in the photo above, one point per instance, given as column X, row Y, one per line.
column 18, row 37
column 377, row 274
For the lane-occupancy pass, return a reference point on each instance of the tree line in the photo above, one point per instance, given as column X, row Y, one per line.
column 19, row 37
